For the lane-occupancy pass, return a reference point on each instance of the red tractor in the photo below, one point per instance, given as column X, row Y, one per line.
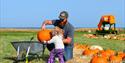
column 104, row 21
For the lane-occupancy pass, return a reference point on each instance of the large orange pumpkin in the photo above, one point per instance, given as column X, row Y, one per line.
column 90, row 52
column 115, row 59
column 121, row 54
column 98, row 59
column 107, row 53
column 44, row 35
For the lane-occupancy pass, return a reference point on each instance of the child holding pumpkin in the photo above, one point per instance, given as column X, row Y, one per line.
column 58, row 51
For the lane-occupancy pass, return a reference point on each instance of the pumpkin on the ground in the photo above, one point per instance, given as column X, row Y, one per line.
column 44, row 35
column 121, row 54
column 115, row 59
column 90, row 52
column 107, row 53
column 98, row 59
column 80, row 46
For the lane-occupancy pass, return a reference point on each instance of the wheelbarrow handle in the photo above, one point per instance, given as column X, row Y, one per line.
column 28, row 51
column 18, row 50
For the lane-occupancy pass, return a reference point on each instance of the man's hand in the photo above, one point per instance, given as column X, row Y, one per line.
column 67, row 40
column 46, row 22
column 43, row 26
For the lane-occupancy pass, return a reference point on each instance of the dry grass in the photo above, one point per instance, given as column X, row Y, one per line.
column 18, row 30
column 121, row 30
column 35, row 30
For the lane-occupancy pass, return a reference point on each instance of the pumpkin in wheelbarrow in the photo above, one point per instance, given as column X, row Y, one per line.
column 44, row 35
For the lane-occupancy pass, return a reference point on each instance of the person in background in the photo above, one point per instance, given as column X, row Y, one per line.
column 68, row 28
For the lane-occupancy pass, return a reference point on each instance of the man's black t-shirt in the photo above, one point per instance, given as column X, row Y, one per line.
column 68, row 31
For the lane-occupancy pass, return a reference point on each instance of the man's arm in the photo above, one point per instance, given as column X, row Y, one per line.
column 70, row 35
column 46, row 22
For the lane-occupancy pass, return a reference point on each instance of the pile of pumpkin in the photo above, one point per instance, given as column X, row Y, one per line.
column 109, row 36
column 90, row 35
column 104, row 56
column 95, row 55
column 116, row 37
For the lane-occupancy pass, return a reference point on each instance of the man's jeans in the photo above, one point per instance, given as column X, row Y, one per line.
column 68, row 54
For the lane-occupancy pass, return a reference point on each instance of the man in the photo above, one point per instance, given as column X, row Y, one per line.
column 68, row 40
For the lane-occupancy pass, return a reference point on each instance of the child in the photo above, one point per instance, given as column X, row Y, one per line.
column 58, row 51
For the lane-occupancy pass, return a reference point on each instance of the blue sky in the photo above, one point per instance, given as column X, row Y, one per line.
column 82, row 13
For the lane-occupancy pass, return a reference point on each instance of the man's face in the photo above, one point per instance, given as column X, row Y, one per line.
column 63, row 22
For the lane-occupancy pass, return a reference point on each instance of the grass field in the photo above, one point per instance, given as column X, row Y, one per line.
column 7, row 50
